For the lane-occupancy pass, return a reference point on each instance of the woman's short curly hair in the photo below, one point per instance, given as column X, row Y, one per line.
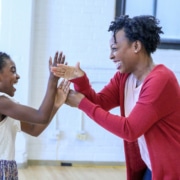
column 143, row 28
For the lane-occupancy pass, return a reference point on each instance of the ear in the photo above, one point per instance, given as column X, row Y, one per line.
column 137, row 46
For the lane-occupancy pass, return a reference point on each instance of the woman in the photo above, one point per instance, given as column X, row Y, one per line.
column 148, row 95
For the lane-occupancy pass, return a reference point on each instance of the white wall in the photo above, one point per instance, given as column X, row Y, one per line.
column 79, row 28
column 15, row 39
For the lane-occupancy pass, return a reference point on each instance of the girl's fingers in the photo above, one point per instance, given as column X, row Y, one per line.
column 64, row 85
column 61, row 84
column 62, row 59
column 55, row 58
column 50, row 61
column 59, row 57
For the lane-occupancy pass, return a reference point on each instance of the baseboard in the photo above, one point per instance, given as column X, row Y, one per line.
column 22, row 165
column 68, row 163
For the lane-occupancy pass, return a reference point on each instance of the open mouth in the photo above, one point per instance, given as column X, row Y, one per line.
column 15, row 84
column 118, row 64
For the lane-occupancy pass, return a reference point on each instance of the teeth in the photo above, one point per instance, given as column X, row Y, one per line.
column 15, row 84
column 118, row 64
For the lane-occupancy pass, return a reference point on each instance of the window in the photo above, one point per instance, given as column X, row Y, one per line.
column 167, row 12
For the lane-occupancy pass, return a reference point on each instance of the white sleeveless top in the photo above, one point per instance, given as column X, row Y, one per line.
column 131, row 97
column 8, row 129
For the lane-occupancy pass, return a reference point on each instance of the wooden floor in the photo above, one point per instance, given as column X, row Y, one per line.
column 72, row 173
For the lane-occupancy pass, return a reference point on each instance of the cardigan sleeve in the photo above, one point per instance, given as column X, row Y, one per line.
column 107, row 98
column 153, row 105
column 128, row 128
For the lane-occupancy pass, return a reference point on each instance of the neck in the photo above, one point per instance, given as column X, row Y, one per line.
column 143, row 70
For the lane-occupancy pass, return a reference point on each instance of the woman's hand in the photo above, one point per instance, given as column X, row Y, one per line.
column 74, row 98
column 67, row 72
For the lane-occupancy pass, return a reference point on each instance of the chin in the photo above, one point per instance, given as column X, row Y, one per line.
column 11, row 94
column 121, row 71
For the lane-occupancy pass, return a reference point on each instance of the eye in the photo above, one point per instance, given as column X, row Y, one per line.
column 114, row 49
column 13, row 70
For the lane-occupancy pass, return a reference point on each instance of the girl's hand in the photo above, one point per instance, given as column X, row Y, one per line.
column 62, row 92
column 59, row 58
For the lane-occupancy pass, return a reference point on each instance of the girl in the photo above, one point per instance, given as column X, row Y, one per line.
column 32, row 121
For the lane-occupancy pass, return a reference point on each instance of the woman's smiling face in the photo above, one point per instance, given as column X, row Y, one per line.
column 122, row 52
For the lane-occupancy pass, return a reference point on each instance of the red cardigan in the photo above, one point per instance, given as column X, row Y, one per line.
column 156, row 115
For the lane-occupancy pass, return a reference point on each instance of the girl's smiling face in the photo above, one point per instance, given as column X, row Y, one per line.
column 8, row 77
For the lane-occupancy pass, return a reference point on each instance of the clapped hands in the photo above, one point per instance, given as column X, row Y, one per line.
column 60, row 69
column 74, row 98
column 59, row 58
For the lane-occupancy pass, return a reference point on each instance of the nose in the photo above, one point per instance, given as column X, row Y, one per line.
column 111, row 56
column 17, row 76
